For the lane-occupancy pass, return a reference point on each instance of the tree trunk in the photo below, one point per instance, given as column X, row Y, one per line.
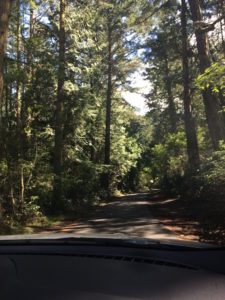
column 213, row 117
column 6, row 88
column 108, row 99
column 59, row 110
column 222, row 36
column 191, row 136
column 7, row 105
column 31, row 72
column 108, row 109
column 172, row 109
column 30, row 50
column 5, row 9
column 18, row 83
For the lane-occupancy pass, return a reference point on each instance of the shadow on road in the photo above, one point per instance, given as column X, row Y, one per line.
column 152, row 215
column 128, row 215
column 200, row 220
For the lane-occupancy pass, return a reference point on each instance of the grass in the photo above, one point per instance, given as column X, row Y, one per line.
column 35, row 226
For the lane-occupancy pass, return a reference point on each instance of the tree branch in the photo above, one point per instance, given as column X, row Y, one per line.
column 201, row 26
column 140, row 20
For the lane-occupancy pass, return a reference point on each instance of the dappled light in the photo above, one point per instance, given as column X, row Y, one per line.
column 112, row 118
column 129, row 215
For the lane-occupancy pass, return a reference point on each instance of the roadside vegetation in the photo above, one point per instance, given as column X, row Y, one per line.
column 69, row 140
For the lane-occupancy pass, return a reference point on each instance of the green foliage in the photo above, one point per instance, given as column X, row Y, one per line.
column 213, row 77
column 144, row 150
column 169, row 160
column 208, row 183
column 27, row 170
column 213, row 174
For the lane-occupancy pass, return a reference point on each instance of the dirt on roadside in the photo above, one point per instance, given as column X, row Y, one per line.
column 196, row 220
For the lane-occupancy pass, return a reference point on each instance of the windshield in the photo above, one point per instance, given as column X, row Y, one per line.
column 112, row 119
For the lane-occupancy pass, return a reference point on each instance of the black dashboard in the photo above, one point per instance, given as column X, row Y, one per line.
column 85, row 271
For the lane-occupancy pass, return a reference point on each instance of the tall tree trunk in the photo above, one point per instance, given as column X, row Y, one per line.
column 6, row 101
column 108, row 107
column 31, row 32
column 108, row 99
column 172, row 109
column 92, row 134
column 31, row 72
column 213, row 117
column 5, row 9
column 7, row 105
column 222, row 36
column 191, row 136
column 18, row 84
column 59, row 110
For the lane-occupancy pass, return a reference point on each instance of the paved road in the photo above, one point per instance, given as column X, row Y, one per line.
column 129, row 215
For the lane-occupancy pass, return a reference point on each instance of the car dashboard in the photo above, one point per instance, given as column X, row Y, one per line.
column 83, row 271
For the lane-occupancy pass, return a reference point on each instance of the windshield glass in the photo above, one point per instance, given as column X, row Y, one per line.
column 112, row 119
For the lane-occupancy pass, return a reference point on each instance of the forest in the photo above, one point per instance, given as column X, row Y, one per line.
column 68, row 137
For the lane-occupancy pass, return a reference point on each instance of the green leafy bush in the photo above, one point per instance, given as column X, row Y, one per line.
column 209, row 182
column 169, row 161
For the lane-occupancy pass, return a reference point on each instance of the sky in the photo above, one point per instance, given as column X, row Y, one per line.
column 137, row 98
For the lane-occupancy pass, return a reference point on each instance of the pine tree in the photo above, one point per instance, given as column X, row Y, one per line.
column 191, row 136
column 59, row 109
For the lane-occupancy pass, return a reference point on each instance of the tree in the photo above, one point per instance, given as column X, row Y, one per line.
column 213, row 117
column 116, row 15
column 191, row 136
column 161, row 54
column 172, row 109
column 68, row 137
column 18, row 83
column 59, row 109
column 109, row 91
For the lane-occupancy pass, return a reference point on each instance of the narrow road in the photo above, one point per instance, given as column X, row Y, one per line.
column 129, row 215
